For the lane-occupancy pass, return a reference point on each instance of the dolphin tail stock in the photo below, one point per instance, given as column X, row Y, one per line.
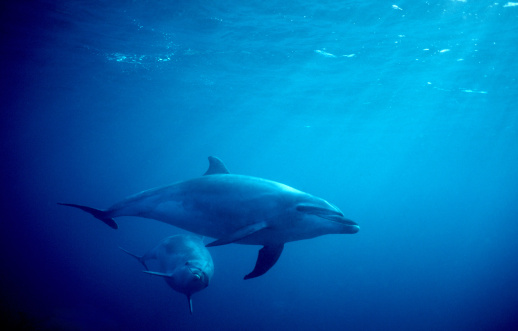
column 139, row 258
column 268, row 256
column 97, row 213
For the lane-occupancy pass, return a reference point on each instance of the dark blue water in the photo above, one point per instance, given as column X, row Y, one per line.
column 404, row 114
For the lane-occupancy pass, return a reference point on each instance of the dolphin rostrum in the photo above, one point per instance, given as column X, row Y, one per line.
column 234, row 209
column 183, row 261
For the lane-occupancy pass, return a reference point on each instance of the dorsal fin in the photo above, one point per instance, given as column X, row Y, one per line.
column 216, row 167
column 189, row 300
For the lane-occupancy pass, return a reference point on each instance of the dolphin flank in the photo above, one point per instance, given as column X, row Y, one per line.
column 234, row 209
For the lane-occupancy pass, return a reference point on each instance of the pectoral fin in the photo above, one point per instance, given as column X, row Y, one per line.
column 139, row 258
column 239, row 234
column 268, row 256
column 158, row 274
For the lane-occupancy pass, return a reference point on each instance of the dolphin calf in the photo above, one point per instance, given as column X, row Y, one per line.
column 234, row 209
column 183, row 261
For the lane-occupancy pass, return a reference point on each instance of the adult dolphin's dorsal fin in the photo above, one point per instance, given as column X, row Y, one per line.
column 139, row 258
column 216, row 167
column 239, row 234
column 268, row 256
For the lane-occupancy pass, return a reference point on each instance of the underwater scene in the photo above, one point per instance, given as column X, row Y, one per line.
column 259, row 165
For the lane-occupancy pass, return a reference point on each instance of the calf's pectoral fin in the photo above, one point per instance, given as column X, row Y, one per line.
column 139, row 258
column 268, row 256
column 239, row 234
column 161, row 274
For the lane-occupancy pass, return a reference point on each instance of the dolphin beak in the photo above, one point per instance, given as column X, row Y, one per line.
column 351, row 227
column 340, row 219
column 348, row 222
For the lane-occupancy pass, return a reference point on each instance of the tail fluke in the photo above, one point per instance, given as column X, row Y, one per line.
column 99, row 214
column 139, row 258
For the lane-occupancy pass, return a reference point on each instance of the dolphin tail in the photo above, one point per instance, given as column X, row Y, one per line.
column 139, row 258
column 268, row 256
column 99, row 214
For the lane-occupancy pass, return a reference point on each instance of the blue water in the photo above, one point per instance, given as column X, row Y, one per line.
column 404, row 114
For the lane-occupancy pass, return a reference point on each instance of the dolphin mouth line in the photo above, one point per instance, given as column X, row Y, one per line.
column 194, row 273
column 197, row 275
column 339, row 219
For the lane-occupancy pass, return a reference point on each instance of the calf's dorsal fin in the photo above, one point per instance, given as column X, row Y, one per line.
column 189, row 301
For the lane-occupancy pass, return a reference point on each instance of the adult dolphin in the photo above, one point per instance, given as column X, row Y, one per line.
column 234, row 209
column 183, row 261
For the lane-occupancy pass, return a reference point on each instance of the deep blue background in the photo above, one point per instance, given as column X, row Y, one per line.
column 402, row 113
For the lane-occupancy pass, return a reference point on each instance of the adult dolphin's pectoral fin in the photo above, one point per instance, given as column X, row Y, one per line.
column 161, row 274
column 99, row 214
column 216, row 167
column 268, row 255
column 139, row 258
column 239, row 234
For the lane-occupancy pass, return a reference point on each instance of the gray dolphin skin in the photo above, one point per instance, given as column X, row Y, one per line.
column 235, row 209
column 184, row 263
